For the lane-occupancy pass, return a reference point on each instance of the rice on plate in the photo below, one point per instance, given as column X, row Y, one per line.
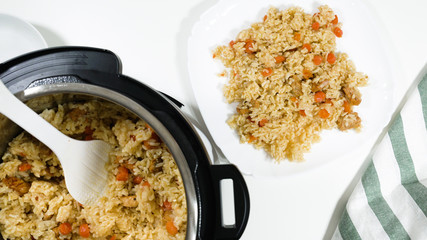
column 289, row 81
column 145, row 198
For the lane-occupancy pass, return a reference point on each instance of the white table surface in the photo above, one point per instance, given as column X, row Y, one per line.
column 151, row 36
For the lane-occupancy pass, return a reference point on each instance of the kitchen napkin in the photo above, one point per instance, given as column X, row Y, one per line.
column 390, row 200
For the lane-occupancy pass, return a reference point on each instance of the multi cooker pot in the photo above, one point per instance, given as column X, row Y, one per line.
column 45, row 78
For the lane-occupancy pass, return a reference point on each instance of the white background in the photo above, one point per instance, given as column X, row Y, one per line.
column 151, row 36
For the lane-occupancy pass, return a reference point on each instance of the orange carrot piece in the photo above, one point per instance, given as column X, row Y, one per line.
column 338, row 32
column 122, row 174
column 323, row 113
column 319, row 97
column 252, row 138
column 23, row 167
column 280, row 59
column 335, row 21
column 84, row 230
column 297, row 36
column 170, row 227
column 65, row 228
column 331, row 58
column 137, row 180
column 347, row 107
column 307, row 46
column 317, row 60
column 315, row 25
column 266, row 72
column 167, row 206
column 231, row 43
column 249, row 46
column 307, row 74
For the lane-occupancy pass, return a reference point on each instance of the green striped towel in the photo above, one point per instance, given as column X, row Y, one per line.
column 390, row 201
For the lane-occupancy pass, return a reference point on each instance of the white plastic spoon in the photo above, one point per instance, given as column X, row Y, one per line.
column 83, row 162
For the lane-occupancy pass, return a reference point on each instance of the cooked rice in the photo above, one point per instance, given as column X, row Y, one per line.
column 276, row 100
column 127, row 211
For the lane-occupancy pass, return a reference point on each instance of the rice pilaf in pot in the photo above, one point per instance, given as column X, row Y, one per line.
column 145, row 198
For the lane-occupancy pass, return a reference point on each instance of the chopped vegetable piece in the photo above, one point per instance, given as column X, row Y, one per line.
column 307, row 46
column 23, row 167
column 315, row 25
column 302, row 113
column 167, row 206
column 338, row 32
column 242, row 110
column 84, row 230
column 266, row 72
column 65, row 228
column 317, row 60
column 146, row 184
column 307, row 74
column 231, row 43
column 335, row 21
column 170, row 227
column 280, row 59
column 214, row 56
column 297, row 36
column 252, row 138
column 294, row 99
column 265, row 18
column 347, row 107
column 323, row 113
column 331, row 58
column 122, row 174
column 137, row 179
column 319, row 97
column 262, row 122
column 249, row 46
column 113, row 237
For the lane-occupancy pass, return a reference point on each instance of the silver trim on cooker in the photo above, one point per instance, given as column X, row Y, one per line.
column 115, row 97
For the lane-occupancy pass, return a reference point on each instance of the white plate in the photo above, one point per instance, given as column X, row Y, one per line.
column 363, row 40
column 18, row 37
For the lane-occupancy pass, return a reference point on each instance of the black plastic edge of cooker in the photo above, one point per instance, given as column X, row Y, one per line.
column 103, row 68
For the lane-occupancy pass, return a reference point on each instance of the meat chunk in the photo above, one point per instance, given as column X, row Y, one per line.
column 353, row 95
column 76, row 113
column 17, row 184
column 349, row 121
column 129, row 201
column 296, row 87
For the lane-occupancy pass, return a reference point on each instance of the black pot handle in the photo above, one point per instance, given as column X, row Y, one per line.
column 241, row 201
